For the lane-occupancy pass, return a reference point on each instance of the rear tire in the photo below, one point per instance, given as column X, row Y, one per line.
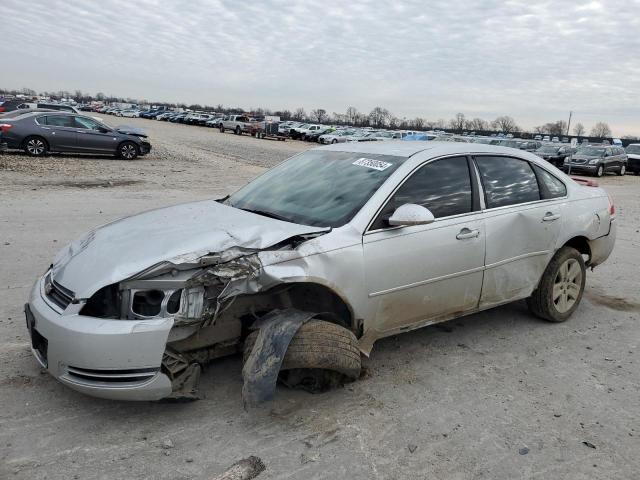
column 35, row 146
column 561, row 286
column 128, row 151
column 321, row 355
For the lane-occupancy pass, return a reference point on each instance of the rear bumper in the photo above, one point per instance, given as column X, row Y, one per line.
column 602, row 247
column 115, row 359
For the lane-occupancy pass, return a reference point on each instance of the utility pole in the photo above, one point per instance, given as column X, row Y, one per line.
column 569, row 124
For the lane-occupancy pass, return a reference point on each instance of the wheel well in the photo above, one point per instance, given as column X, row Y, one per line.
column 128, row 141
column 24, row 142
column 313, row 297
column 581, row 244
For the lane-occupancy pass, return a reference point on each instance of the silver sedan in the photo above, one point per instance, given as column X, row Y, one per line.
column 311, row 263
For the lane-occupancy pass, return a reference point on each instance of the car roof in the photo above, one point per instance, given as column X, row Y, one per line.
column 433, row 147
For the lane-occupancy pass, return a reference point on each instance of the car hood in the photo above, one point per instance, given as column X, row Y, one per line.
column 129, row 130
column 584, row 157
column 178, row 234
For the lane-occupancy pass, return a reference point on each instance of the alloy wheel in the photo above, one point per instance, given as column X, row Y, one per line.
column 567, row 285
column 35, row 146
column 128, row 151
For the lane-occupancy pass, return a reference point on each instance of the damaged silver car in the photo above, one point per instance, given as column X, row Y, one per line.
column 308, row 265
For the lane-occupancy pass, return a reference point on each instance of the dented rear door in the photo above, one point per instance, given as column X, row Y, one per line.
column 522, row 229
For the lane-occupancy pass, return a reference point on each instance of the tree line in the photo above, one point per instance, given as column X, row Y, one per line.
column 378, row 117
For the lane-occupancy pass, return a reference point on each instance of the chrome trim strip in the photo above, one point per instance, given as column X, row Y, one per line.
column 425, row 282
column 458, row 274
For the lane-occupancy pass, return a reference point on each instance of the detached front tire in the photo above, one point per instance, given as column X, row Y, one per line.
column 128, row 151
column 321, row 355
column 561, row 287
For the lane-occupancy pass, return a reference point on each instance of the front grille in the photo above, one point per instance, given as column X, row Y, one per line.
column 55, row 292
column 114, row 377
column 579, row 161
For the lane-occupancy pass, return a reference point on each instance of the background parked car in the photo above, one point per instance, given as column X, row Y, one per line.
column 597, row 160
column 38, row 133
column 633, row 158
column 555, row 154
column 236, row 123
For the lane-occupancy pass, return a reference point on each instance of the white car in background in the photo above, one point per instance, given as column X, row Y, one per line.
column 130, row 113
column 339, row 136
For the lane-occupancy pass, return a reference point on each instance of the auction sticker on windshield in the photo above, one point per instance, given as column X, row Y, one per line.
column 370, row 163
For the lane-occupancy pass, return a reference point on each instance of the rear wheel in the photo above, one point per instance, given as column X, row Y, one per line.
column 321, row 355
column 128, row 151
column 35, row 146
column 561, row 286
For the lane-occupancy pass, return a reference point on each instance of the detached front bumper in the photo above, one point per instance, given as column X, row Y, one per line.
column 115, row 359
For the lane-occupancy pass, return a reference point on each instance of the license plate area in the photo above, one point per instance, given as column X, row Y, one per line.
column 38, row 342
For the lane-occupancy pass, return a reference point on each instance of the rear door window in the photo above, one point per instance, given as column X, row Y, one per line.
column 60, row 120
column 507, row 181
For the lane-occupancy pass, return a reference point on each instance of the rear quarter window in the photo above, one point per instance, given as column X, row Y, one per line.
column 550, row 186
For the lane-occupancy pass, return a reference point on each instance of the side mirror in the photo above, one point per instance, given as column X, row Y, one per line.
column 411, row 214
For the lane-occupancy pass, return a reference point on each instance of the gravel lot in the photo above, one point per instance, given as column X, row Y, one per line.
column 497, row 395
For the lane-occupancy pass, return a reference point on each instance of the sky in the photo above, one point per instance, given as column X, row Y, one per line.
column 533, row 60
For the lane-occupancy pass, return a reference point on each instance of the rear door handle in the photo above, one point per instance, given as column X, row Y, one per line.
column 550, row 217
column 467, row 233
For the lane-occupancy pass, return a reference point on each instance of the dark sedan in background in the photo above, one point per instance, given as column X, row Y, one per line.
column 555, row 154
column 40, row 132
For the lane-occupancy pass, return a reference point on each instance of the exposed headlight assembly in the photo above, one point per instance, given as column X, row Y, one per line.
column 594, row 161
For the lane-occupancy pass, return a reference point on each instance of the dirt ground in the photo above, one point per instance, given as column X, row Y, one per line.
column 497, row 395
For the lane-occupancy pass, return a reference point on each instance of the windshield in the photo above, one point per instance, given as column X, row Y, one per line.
column 591, row 151
column 547, row 149
column 633, row 149
column 318, row 187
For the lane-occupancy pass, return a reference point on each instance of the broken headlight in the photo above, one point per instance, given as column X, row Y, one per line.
column 138, row 303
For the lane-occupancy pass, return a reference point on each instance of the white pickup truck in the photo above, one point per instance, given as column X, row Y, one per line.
column 237, row 123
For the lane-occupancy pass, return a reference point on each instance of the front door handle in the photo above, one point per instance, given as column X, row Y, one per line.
column 550, row 217
column 467, row 233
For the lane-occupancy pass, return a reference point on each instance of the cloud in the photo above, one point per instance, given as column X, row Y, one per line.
column 532, row 60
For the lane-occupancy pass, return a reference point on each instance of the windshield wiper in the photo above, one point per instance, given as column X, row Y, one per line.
column 266, row 214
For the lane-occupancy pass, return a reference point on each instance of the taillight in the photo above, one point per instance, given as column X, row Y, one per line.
column 2, row 109
column 612, row 207
column 4, row 127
